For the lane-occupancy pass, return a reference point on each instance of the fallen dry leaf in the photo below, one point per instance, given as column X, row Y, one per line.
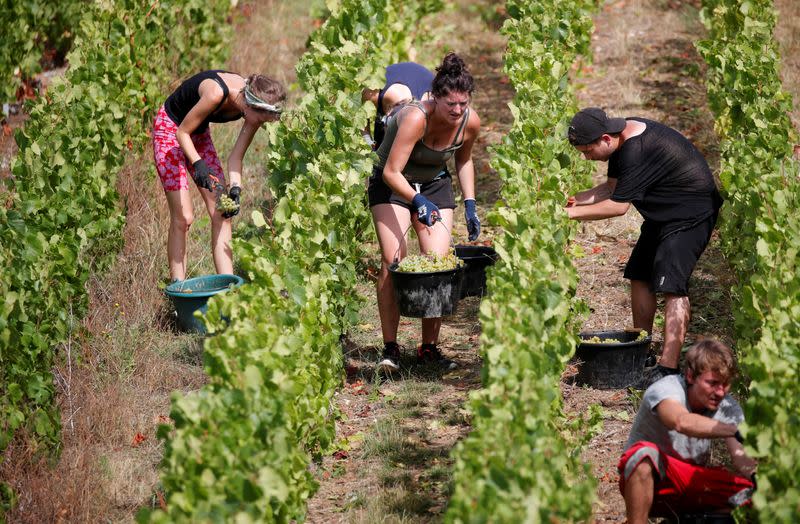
column 138, row 439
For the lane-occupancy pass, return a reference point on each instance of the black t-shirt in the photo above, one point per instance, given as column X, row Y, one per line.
column 665, row 177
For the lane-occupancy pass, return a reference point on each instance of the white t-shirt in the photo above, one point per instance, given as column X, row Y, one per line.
column 647, row 426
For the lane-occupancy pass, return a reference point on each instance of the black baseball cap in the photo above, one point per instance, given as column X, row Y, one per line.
column 590, row 124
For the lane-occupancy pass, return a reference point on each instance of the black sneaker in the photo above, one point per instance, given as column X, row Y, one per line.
column 390, row 362
column 654, row 374
column 429, row 353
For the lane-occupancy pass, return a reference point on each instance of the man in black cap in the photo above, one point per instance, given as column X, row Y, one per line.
column 668, row 181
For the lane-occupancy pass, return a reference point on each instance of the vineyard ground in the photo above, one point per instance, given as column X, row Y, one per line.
column 396, row 435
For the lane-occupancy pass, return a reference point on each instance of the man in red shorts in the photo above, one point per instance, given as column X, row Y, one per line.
column 663, row 470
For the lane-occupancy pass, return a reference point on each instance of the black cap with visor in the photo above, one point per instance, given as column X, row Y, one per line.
column 590, row 124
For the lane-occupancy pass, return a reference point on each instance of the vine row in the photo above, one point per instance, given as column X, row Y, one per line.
column 521, row 462
column 63, row 219
column 29, row 29
column 760, row 236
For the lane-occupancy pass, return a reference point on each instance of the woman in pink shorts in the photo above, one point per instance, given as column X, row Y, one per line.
column 182, row 144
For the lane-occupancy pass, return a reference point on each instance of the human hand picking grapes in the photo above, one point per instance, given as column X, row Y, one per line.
column 229, row 204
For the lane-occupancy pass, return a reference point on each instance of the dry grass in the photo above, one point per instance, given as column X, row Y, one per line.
column 788, row 34
column 115, row 377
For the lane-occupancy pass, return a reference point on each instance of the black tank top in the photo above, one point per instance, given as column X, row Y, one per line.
column 187, row 95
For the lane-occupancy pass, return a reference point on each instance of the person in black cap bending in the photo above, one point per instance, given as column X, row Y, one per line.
column 668, row 181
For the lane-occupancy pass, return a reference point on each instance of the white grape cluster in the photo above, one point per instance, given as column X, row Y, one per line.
column 227, row 204
column 597, row 340
column 429, row 263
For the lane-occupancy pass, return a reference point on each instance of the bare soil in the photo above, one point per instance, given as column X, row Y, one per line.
column 787, row 33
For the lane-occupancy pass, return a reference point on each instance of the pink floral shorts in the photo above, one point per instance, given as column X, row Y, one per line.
column 171, row 163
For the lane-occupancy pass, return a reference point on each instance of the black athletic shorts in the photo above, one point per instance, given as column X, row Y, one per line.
column 667, row 261
column 438, row 191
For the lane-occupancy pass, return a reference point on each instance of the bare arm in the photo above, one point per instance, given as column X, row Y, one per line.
column 741, row 462
column 411, row 127
column 596, row 194
column 604, row 209
column 210, row 96
column 465, row 167
column 674, row 415
column 236, row 157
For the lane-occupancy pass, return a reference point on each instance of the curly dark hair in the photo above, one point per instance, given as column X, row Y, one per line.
column 452, row 75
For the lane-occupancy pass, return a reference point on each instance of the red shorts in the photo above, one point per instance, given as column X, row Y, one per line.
column 681, row 487
column 171, row 163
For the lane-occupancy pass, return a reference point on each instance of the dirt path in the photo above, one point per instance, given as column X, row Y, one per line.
column 644, row 65
column 397, row 434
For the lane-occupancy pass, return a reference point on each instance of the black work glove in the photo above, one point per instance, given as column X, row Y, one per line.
column 233, row 194
column 202, row 174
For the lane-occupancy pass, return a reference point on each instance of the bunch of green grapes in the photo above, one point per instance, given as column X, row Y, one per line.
column 429, row 263
column 598, row 340
column 227, row 204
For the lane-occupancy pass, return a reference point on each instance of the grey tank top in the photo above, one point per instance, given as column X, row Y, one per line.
column 424, row 164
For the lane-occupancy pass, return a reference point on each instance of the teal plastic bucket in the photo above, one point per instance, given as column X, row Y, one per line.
column 192, row 295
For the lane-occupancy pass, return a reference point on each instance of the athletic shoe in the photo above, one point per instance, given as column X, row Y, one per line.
column 429, row 353
column 390, row 362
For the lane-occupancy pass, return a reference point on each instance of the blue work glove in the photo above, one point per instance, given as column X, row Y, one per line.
column 202, row 174
column 427, row 212
column 234, row 194
column 473, row 222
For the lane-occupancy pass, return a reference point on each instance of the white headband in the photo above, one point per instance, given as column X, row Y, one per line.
column 253, row 101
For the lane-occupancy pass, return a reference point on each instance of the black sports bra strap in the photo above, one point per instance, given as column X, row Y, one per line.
column 380, row 102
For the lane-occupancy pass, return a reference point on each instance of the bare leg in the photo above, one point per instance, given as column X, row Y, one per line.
column 638, row 494
column 643, row 305
column 221, row 235
column 391, row 223
column 180, row 219
column 434, row 239
column 676, row 311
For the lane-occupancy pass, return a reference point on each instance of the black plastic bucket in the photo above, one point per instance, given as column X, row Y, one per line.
column 427, row 295
column 476, row 260
column 613, row 365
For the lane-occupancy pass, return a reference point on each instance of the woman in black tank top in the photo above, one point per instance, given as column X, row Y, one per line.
column 411, row 186
column 182, row 146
